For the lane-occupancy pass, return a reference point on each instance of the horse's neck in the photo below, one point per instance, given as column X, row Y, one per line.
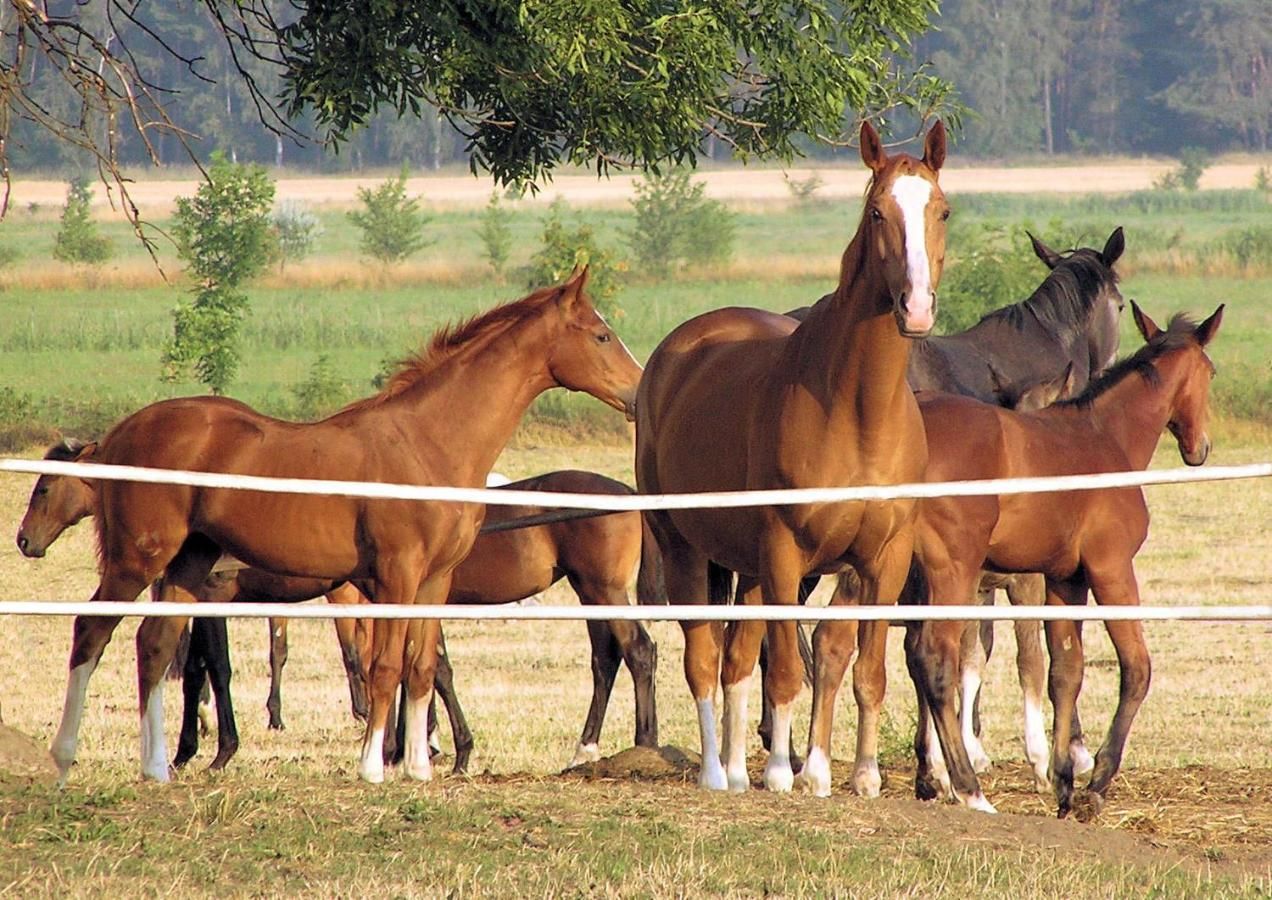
column 852, row 350
column 1134, row 414
column 467, row 410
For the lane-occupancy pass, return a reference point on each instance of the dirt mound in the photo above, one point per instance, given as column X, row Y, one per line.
column 23, row 758
column 641, row 764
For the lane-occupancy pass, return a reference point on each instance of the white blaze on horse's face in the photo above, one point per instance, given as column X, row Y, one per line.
column 918, row 307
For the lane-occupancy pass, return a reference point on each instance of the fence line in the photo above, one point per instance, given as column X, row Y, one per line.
column 252, row 610
column 720, row 500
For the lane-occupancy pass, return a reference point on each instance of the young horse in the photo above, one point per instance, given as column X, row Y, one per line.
column 1081, row 540
column 744, row 399
column 442, row 419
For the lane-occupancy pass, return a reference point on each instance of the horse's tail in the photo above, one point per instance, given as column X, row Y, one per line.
column 719, row 584
column 651, row 589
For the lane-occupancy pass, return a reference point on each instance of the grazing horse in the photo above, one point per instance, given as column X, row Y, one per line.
column 743, row 399
column 1082, row 541
column 442, row 418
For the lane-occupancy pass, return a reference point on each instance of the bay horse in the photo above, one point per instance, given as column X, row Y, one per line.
column 743, row 399
column 1082, row 541
column 596, row 554
column 442, row 418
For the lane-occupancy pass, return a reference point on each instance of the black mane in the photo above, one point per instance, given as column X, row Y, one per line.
column 1064, row 300
column 1176, row 335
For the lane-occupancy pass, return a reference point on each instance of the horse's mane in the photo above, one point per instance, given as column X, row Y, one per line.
column 1177, row 334
column 1064, row 299
column 449, row 339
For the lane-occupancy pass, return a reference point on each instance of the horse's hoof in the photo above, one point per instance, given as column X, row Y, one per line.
column 1042, row 784
column 711, row 777
column 814, row 775
column 159, row 775
column 371, row 774
column 779, row 778
column 1087, row 805
column 586, row 753
column 978, row 802
column 867, row 782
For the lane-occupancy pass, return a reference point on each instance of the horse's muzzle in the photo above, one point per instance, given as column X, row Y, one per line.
column 1198, row 455
column 910, row 323
column 29, row 550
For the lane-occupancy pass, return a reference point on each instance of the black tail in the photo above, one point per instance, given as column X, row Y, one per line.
column 651, row 589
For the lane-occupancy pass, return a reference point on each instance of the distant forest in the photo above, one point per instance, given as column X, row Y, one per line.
column 1038, row 78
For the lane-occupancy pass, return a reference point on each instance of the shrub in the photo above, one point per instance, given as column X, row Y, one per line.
column 1249, row 247
column 1263, row 179
column 676, row 224
column 495, row 231
column 804, row 190
column 77, row 240
column 391, row 223
column 295, row 231
column 322, row 392
column 1192, row 162
column 563, row 248
column 995, row 266
column 223, row 235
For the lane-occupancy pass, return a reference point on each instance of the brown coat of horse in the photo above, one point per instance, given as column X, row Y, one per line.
column 1082, row 541
column 442, row 419
column 744, row 399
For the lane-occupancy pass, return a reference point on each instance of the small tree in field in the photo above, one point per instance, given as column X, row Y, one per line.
column 495, row 232
column 563, row 248
column 77, row 240
column 676, row 224
column 295, row 229
column 224, row 237
column 391, row 223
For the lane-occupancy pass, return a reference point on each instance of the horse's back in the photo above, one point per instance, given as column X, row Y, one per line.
column 511, row 565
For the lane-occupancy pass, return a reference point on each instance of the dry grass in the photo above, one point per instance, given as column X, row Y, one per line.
column 1191, row 813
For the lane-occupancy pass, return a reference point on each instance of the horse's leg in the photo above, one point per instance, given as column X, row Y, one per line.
column 606, row 658
column 217, row 647
column 1118, row 587
column 931, row 778
column 388, row 645
column 444, row 686
column 1064, row 644
column 421, row 670
column 781, row 569
column 932, row 657
column 277, row 659
column 351, row 634
column 1030, row 590
column 976, row 644
column 741, row 653
column 194, row 679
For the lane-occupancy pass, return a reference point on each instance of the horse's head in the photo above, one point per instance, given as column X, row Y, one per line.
column 1090, row 279
column 590, row 356
column 1188, row 368
column 57, row 501
column 903, row 228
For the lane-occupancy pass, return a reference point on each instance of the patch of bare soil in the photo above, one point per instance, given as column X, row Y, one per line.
column 22, row 759
column 641, row 764
column 1219, row 819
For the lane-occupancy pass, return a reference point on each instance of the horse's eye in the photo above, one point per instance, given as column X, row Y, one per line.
column 41, row 491
column 603, row 338
column 875, row 215
column 945, row 215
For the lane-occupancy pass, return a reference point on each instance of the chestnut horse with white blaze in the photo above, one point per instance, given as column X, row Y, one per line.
column 743, row 399
column 442, row 419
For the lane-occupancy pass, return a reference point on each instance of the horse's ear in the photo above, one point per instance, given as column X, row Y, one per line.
column 1206, row 330
column 86, row 451
column 872, row 152
column 1113, row 247
column 1049, row 257
column 934, row 146
column 1147, row 327
column 574, row 285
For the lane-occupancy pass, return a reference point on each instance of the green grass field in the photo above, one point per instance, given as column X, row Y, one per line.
column 80, row 349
